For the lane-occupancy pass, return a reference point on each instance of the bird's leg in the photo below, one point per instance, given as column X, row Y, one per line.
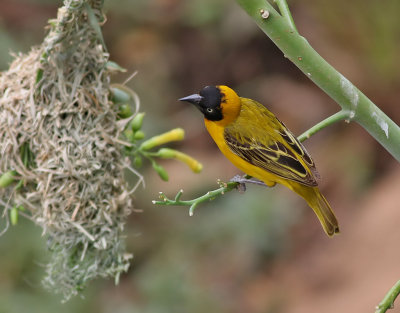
column 242, row 180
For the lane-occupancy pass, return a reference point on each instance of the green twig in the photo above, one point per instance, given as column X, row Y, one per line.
column 339, row 116
column 238, row 182
column 224, row 187
column 388, row 301
column 297, row 49
column 285, row 12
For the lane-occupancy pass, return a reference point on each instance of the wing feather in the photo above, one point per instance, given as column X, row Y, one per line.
column 264, row 141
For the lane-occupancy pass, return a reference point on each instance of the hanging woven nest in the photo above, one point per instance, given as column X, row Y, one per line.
column 59, row 146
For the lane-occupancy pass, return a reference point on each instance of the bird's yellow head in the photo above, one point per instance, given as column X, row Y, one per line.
column 219, row 104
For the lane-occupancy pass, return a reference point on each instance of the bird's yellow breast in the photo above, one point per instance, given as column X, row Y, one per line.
column 217, row 133
column 250, row 118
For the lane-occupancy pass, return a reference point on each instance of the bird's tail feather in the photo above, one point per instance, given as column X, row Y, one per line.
column 321, row 208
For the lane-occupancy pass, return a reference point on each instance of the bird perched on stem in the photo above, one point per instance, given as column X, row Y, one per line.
column 260, row 145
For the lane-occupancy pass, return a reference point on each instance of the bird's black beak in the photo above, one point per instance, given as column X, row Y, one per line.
column 194, row 99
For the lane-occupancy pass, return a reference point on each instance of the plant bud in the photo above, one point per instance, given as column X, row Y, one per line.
column 114, row 67
column 137, row 122
column 139, row 135
column 194, row 165
column 7, row 178
column 14, row 216
column 119, row 94
column 173, row 135
column 167, row 153
column 129, row 135
column 125, row 110
column 161, row 171
column 137, row 162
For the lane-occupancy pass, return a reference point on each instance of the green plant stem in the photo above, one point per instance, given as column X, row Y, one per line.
column 224, row 187
column 285, row 12
column 388, row 300
column 339, row 116
column 297, row 49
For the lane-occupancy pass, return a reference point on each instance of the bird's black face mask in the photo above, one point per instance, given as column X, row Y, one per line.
column 208, row 101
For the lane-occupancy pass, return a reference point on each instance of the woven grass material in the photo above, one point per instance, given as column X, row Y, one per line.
column 55, row 100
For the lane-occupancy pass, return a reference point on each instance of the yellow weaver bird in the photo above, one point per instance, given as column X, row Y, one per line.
column 260, row 145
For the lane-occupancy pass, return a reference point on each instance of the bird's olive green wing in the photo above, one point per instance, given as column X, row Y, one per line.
column 300, row 150
column 259, row 138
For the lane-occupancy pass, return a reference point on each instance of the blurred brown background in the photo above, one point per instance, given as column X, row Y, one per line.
column 263, row 251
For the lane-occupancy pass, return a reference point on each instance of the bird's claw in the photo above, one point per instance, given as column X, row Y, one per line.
column 237, row 179
column 241, row 187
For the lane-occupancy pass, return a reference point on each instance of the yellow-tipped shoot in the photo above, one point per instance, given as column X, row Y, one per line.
column 167, row 153
column 176, row 134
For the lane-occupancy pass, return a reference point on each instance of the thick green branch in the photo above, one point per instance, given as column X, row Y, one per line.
column 388, row 301
column 297, row 49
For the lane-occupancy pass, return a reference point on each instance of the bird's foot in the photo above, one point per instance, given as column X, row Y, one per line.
column 242, row 180
column 241, row 187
